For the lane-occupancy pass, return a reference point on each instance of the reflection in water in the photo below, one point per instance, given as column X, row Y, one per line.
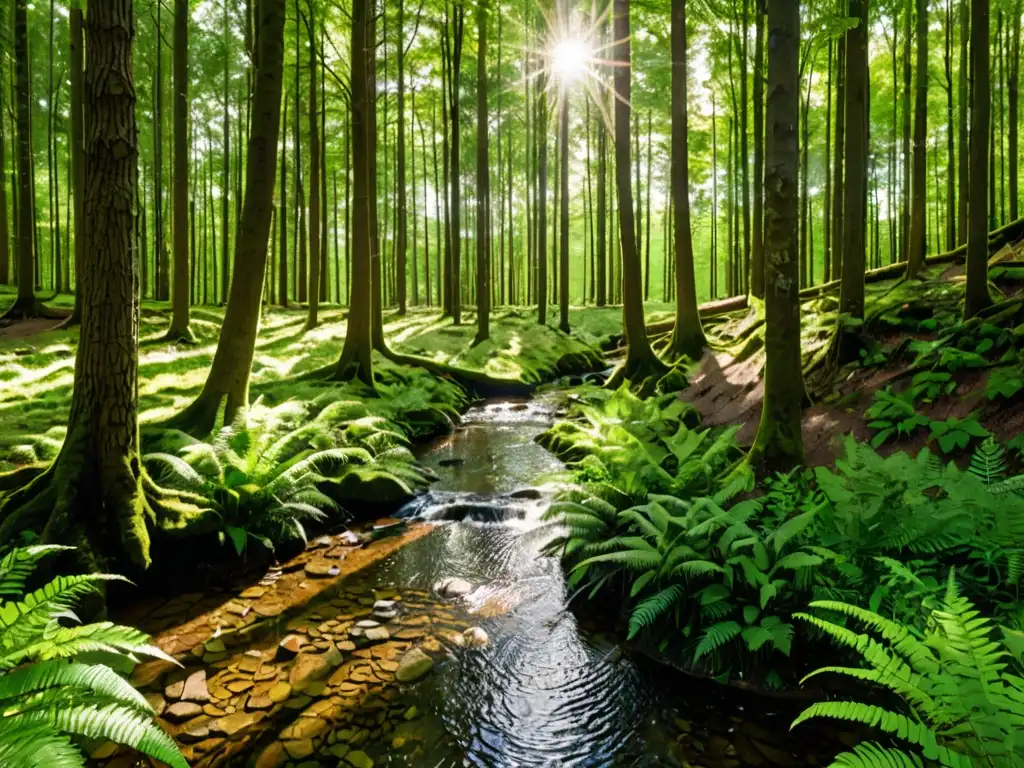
column 543, row 692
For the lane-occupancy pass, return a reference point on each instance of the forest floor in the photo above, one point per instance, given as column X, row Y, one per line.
column 37, row 358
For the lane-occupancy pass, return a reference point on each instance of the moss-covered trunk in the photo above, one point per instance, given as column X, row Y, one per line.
column 779, row 442
column 228, row 379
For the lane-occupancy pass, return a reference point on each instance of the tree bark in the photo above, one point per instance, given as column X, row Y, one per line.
column 540, row 135
column 688, row 335
column 757, row 246
column 225, row 179
column 563, row 224
column 839, row 186
column 905, row 214
column 977, row 295
column 228, row 380
column 312, row 317
column 641, row 364
column 356, row 361
column 401, row 215
column 851, row 299
column 1014, row 106
column 779, row 442
column 179, row 329
column 963, row 96
column 483, row 183
column 76, row 149
column 919, row 192
column 282, row 264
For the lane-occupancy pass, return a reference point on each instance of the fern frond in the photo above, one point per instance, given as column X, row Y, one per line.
column 871, row 755
column 18, row 564
column 715, row 637
column 49, row 674
column 655, row 606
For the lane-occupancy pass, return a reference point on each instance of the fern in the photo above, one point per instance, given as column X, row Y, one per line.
column 650, row 610
column 988, row 463
column 44, row 697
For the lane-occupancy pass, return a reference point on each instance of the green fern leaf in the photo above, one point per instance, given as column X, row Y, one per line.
column 715, row 637
column 648, row 611
column 18, row 564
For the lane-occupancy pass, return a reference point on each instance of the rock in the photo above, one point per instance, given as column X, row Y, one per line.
column 175, row 689
column 148, row 673
column 104, row 750
column 376, row 634
column 453, row 587
column 299, row 748
column 530, row 494
column 321, row 569
column 157, row 702
column 279, row 692
column 213, row 711
column 413, row 665
column 231, row 724
column 289, row 647
column 273, row 756
column 474, row 637
column 359, row 759
column 384, row 615
column 182, row 710
column 195, row 687
column 253, row 593
column 411, row 713
column 215, row 645
column 239, row 686
column 251, row 662
column 304, row 728
column 195, row 733
column 367, row 624
column 259, row 702
column 309, row 668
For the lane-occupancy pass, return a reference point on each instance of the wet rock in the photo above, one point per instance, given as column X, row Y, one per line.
column 359, row 759
column 531, row 494
column 195, row 733
column 259, row 702
column 195, row 687
column 299, row 748
column 413, row 665
column 182, row 710
column 289, row 647
column 213, row 711
column 150, row 672
column 239, row 686
column 454, row 462
column 103, row 751
column 279, row 692
column 231, row 724
column 321, row 569
column 253, row 593
column 367, row 624
column 157, row 702
column 251, row 662
column 304, row 728
column 309, row 668
column 175, row 689
column 453, row 587
column 411, row 713
column 273, row 756
column 474, row 637
column 376, row 634
column 215, row 645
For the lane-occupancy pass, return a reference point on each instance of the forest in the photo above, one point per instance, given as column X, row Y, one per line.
column 511, row 383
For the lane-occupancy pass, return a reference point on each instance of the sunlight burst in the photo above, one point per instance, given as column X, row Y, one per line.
column 570, row 58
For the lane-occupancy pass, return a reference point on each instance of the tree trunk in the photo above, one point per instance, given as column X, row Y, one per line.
column 563, row 225
column 76, row 149
column 282, row 264
column 641, row 363
column 401, row 220
column 312, row 318
column 180, row 300
column 839, row 186
column 5, row 234
column 483, row 183
column 851, row 299
column 905, row 214
column 455, row 40
column 228, row 380
column 540, row 135
column 779, row 442
column 744, row 144
column 25, row 305
column 963, row 96
column 688, row 336
column 947, row 59
column 225, row 179
column 602, row 208
column 977, row 296
column 919, row 192
column 1014, row 104
column 757, row 247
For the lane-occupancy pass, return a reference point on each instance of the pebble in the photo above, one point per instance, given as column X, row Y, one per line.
column 182, row 710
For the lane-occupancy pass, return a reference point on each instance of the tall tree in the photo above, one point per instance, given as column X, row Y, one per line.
column 483, row 183
column 1013, row 90
column 779, row 442
column 688, row 336
column 76, row 149
column 282, row 264
column 454, row 34
column 228, row 380
column 179, row 329
column 314, row 178
column 851, row 297
column 356, row 361
column 757, row 246
column 977, row 295
column 641, row 364
column 963, row 149
column 25, row 305
column 919, row 191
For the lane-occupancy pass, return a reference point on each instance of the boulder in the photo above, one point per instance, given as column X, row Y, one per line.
column 413, row 666
column 195, row 687
column 453, row 587
column 474, row 637
column 182, row 710
column 309, row 668
column 289, row 647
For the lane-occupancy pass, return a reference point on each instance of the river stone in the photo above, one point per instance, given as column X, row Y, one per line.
column 304, row 728
column 273, row 756
column 213, row 710
column 453, row 587
column 321, row 569
column 279, row 692
column 157, row 702
column 253, row 593
column 289, row 647
column 239, row 686
column 195, row 687
column 299, row 748
column 195, row 733
column 182, row 710
column 376, row 634
column 309, row 668
column 215, row 645
column 175, row 689
column 474, row 637
column 359, row 759
column 413, row 665
column 259, row 702
column 367, row 624
column 231, row 724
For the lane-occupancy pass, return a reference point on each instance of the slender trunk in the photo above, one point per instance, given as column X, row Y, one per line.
column 851, row 299
column 744, row 143
column 541, row 138
column 26, row 304
column 650, row 215
column 225, row 180
column 977, row 296
column 1014, row 105
column 401, row 215
column 180, row 219
column 757, row 246
column 907, row 151
column 483, row 182
column 563, row 245
column 688, row 336
column 947, row 59
column 312, row 318
column 919, row 194
column 282, row 263
column 963, row 150
column 779, row 441
column 838, row 181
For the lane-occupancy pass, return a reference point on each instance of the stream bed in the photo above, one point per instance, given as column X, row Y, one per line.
column 545, row 691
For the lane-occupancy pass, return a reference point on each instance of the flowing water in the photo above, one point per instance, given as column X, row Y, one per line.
column 545, row 691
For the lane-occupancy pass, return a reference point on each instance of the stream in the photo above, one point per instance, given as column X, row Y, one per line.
column 545, row 691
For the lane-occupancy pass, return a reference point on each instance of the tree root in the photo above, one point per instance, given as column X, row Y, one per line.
column 180, row 336
column 475, row 381
column 642, row 372
column 31, row 309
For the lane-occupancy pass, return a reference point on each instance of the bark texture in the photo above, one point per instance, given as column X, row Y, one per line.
column 977, row 297
column 179, row 236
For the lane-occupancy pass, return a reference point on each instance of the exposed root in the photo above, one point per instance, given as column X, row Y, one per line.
column 199, row 417
column 481, row 383
column 28, row 309
column 16, row 478
column 642, row 373
column 180, row 336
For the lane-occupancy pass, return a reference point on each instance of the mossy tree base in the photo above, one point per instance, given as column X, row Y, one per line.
column 642, row 372
column 30, row 309
column 176, row 335
column 109, row 513
column 779, row 445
